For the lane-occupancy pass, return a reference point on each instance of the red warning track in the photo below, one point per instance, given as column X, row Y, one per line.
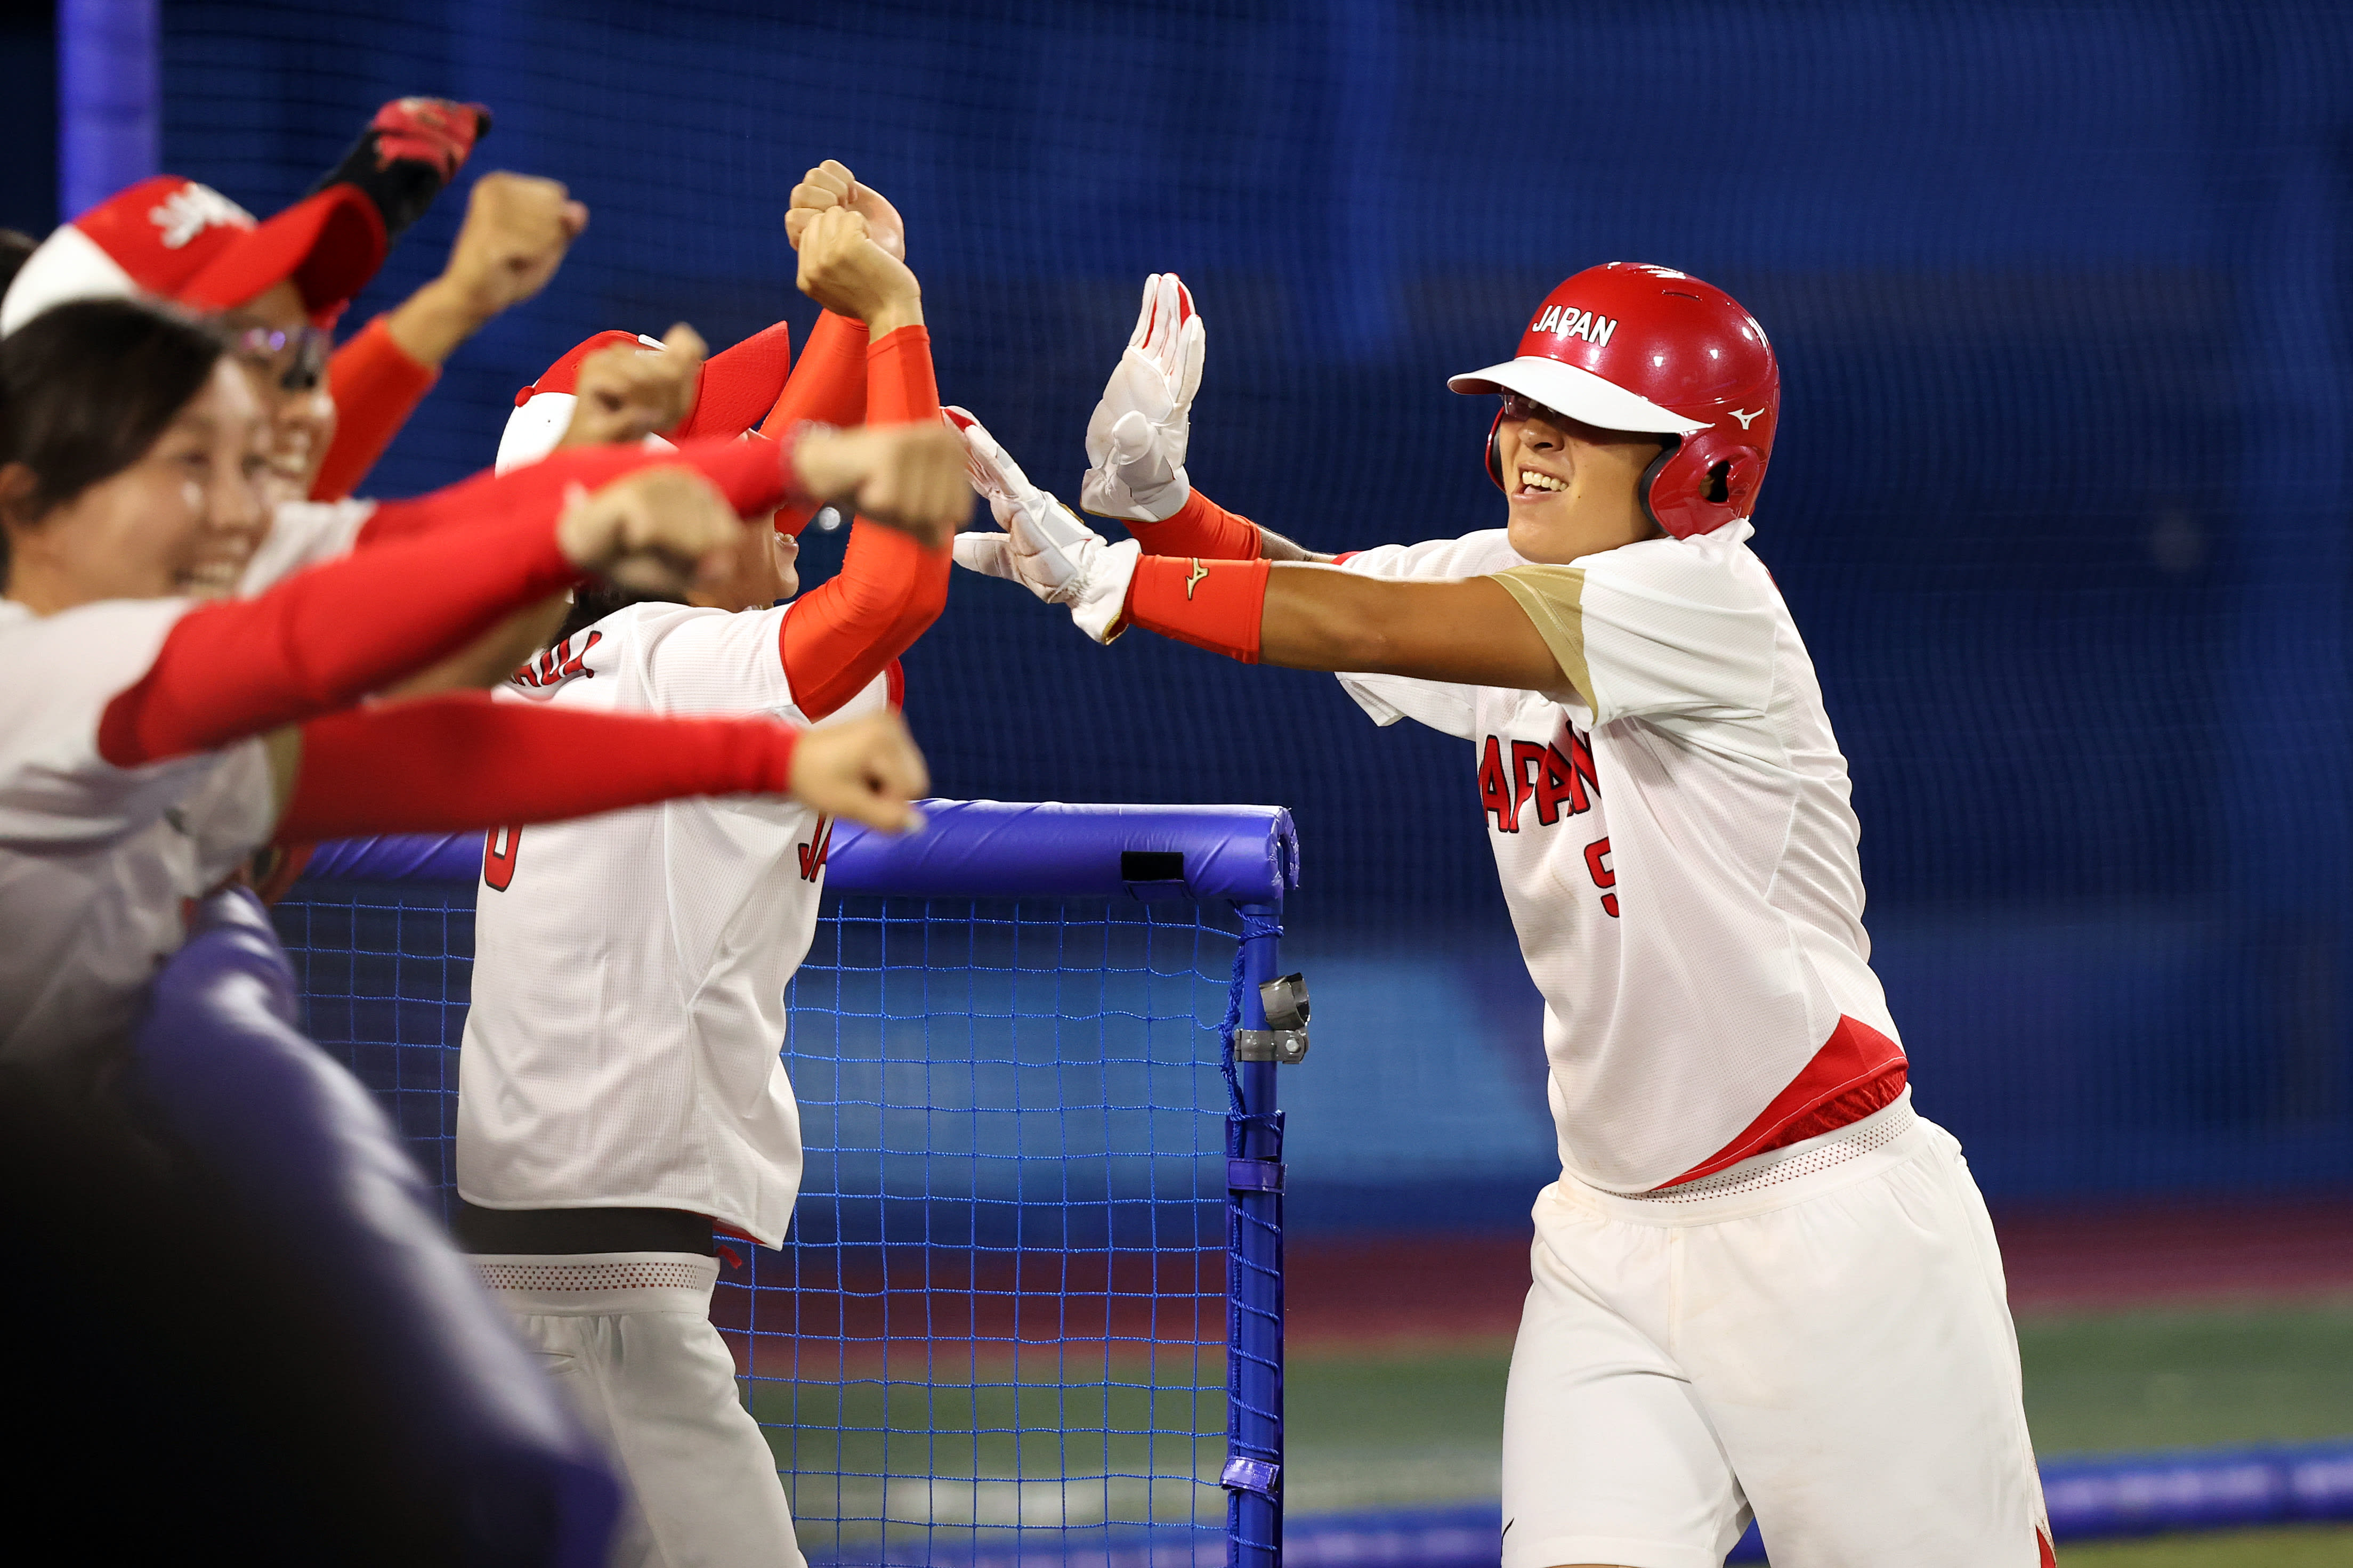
column 854, row 1308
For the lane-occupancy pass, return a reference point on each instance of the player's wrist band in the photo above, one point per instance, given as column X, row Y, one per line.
column 1203, row 528
column 1215, row 605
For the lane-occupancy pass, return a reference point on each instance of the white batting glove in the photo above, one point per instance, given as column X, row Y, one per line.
column 1044, row 547
column 1137, row 435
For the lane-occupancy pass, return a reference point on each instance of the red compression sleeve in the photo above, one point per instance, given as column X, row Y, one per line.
column 376, row 386
column 325, row 638
column 1203, row 528
column 752, row 475
column 889, row 589
column 828, row 386
column 1216, row 605
column 443, row 765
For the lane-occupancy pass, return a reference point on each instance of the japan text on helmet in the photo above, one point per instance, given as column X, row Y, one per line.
column 1647, row 349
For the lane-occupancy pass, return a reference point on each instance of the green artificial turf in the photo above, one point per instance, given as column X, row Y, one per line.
column 2180, row 1379
column 1077, row 1441
column 2311, row 1546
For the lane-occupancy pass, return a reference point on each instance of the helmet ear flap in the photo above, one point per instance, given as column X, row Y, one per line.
column 1700, row 483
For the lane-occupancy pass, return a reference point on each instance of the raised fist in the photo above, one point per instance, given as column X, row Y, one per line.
column 907, row 476
column 517, row 229
column 866, row 769
column 843, row 269
column 658, row 531
column 830, row 185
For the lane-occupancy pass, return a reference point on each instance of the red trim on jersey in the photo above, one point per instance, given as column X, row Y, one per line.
column 889, row 589
column 897, row 687
column 1345, row 556
column 447, row 763
column 1203, row 528
column 1858, row 1070
column 1216, row 605
column 2044, row 1556
column 376, row 387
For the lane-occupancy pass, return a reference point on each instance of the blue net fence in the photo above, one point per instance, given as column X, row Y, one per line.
column 2061, row 298
column 1020, row 1312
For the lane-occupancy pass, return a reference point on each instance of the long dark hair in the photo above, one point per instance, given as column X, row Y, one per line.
column 87, row 387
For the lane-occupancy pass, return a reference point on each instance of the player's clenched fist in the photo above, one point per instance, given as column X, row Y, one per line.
column 907, row 476
column 658, row 531
column 831, row 184
column 517, row 229
column 866, row 769
column 842, row 269
column 628, row 392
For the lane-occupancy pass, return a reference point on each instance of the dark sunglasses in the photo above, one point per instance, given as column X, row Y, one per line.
column 296, row 356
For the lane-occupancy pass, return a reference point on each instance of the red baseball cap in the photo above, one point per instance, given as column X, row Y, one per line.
column 179, row 240
column 738, row 385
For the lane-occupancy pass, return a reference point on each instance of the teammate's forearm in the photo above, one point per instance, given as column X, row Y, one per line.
column 449, row 763
column 754, row 476
column 375, row 386
column 827, row 386
column 890, row 588
column 328, row 636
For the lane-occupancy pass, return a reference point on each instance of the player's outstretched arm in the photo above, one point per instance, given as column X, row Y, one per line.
column 1302, row 616
column 462, row 760
column 328, row 636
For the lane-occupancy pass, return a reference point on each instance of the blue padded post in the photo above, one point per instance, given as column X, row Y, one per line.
column 317, row 1169
column 1253, row 1473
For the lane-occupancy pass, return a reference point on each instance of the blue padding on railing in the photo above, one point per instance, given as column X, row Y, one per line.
column 977, row 849
column 318, row 1171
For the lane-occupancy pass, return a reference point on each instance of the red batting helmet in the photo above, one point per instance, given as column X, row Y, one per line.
column 1632, row 347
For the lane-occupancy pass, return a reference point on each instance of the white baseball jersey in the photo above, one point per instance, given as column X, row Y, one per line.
column 629, row 968
column 304, row 534
column 1679, row 855
column 97, row 864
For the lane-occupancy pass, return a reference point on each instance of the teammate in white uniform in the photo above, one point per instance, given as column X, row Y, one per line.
column 150, row 742
column 1761, row 1284
column 622, row 1092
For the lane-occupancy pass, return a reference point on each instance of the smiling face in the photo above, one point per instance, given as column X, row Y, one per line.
column 1573, row 487
column 182, row 520
column 283, row 356
column 766, row 569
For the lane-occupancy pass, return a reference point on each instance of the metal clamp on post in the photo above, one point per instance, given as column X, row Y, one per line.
column 1284, row 1040
column 1264, row 1477
column 1253, row 1176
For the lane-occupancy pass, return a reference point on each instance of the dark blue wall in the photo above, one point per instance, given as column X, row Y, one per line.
column 2060, row 499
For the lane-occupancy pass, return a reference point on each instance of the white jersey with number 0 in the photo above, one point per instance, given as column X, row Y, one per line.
column 629, row 968
column 1679, row 855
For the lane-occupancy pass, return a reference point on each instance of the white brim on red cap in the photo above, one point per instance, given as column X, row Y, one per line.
column 1579, row 393
column 68, row 265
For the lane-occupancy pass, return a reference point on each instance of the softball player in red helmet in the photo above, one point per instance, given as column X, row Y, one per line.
column 1763, row 1285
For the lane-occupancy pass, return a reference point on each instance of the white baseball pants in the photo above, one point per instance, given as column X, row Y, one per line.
column 628, row 1337
column 1820, row 1334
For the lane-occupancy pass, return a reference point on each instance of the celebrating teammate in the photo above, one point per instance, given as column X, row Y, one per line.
column 1761, row 1283
column 149, row 742
column 605, row 1130
column 277, row 286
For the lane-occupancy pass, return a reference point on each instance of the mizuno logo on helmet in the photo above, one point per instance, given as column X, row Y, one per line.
column 1748, row 418
column 1572, row 322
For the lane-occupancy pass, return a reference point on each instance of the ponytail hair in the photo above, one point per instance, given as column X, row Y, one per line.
column 87, row 387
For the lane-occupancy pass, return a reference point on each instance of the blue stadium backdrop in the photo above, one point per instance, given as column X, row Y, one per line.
column 2062, row 297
